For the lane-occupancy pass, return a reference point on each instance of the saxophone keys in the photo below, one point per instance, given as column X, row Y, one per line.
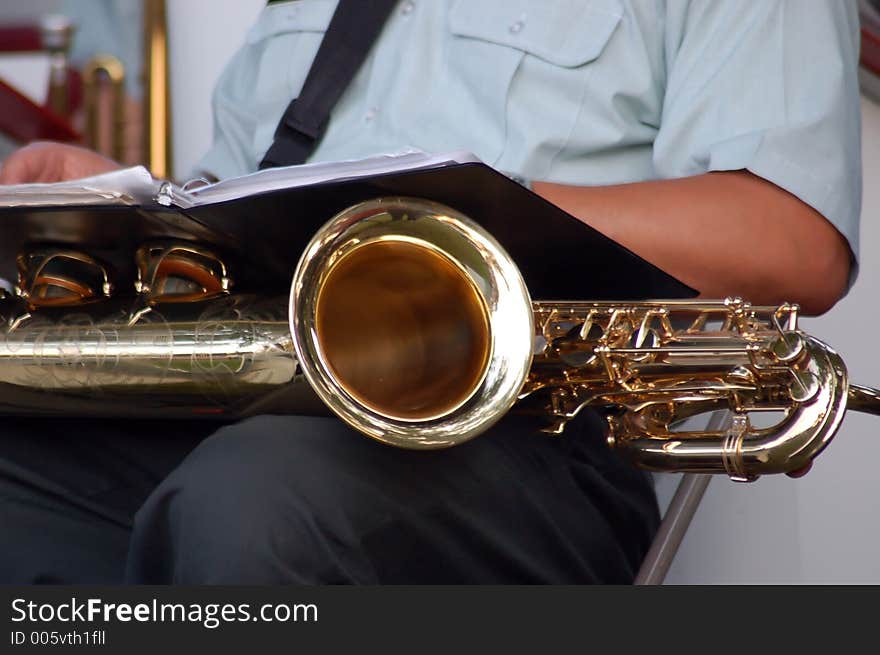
column 179, row 272
column 806, row 387
column 56, row 277
column 788, row 347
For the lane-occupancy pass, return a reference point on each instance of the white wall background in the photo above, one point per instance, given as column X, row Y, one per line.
column 823, row 528
column 202, row 35
column 18, row 12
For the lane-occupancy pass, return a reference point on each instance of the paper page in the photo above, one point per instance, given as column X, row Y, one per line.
column 135, row 185
column 307, row 174
column 128, row 186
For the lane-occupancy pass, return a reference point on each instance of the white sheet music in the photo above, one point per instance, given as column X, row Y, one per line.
column 127, row 186
column 307, row 174
column 135, row 185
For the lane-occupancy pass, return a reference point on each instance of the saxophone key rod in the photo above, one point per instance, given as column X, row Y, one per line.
column 863, row 399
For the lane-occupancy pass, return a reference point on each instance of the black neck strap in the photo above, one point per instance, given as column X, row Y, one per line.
column 354, row 28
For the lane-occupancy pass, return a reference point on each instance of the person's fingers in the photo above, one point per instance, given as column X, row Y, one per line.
column 52, row 162
column 32, row 163
column 85, row 163
column 14, row 169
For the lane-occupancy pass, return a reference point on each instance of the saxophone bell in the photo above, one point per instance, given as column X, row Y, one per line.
column 411, row 323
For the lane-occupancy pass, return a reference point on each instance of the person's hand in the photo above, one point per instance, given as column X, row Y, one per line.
column 47, row 161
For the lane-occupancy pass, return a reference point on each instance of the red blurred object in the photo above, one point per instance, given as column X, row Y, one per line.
column 870, row 58
column 23, row 120
column 20, row 38
column 29, row 38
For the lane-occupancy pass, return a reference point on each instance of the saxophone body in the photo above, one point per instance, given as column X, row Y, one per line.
column 227, row 357
column 177, row 346
column 410, row 323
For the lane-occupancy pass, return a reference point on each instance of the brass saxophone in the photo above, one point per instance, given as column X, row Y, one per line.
column 409, row 322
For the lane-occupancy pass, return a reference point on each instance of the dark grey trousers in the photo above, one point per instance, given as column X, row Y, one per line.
column 307, row 500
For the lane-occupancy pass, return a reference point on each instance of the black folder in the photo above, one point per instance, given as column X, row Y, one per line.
column 263, row 234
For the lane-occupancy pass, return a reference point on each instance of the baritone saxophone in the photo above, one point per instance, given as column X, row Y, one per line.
column 409, row 322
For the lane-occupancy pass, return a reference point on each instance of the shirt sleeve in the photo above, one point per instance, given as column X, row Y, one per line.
column 771, row 87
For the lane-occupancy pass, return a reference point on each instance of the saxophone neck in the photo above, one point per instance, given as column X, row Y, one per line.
column 864, row 399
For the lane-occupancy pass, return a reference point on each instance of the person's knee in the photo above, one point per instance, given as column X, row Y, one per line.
column 245, row 506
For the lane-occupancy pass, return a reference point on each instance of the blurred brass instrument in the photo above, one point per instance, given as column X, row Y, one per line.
column 105, row 134
column 157, row 110
column 56, row 32
column 128, row 129
column 411, row 323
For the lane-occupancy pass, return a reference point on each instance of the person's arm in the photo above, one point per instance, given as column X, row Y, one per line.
column 750, row 86
column 724, row 233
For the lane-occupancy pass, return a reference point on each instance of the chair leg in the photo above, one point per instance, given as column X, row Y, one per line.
column 677, row 519
column 673, row 528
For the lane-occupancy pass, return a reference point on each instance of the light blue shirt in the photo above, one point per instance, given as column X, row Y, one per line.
column 583, row 92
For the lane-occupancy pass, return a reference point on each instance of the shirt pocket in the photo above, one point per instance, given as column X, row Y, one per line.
column 283, row 43
column 292, row 17
column 527, row 61
column 568, row 33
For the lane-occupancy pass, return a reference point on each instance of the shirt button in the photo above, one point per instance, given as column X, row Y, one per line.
column 371, row 114
column 407, row 7
column 516, row 27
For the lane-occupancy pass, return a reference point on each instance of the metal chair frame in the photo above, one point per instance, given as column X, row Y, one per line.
column 676, row 520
